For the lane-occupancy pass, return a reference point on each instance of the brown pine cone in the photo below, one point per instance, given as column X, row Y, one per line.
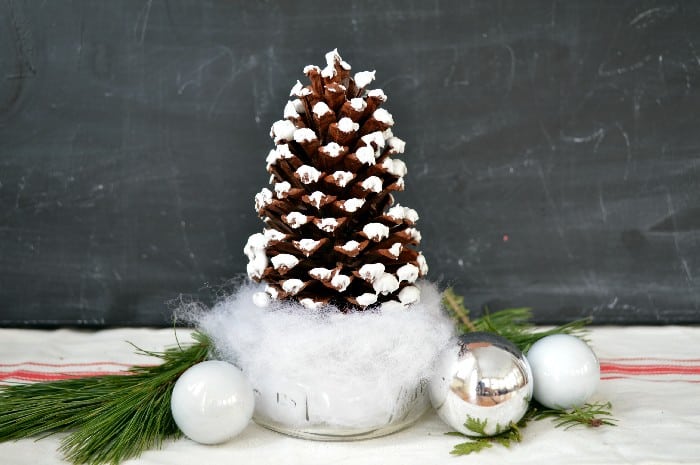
column 333, row 234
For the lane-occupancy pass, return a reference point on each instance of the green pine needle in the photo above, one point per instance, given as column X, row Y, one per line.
column 480, row 441
column 110, row 418
column 512, row 323
column 478, row 427
column 591, row 415
column 472, row 446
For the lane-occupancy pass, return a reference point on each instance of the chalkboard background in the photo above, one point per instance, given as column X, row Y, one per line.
column 553, row 148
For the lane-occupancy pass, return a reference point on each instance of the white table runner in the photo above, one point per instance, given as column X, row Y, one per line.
column 650, row 374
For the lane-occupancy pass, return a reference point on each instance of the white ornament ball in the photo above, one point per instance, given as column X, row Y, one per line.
column 212, row 402
column 565, row 371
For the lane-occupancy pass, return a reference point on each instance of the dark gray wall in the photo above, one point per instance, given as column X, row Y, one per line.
column 553, row 148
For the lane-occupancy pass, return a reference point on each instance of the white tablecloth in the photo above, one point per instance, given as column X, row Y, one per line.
column 650, row 374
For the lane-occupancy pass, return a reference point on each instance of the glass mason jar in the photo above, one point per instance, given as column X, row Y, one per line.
column 345, row 413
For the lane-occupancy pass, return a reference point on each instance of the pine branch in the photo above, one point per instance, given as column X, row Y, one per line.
column 476, row 426
column 472, row 446
column 513, row 323
column 455, row 306
column 592, row 415
column 110, row 418
column 480, row 441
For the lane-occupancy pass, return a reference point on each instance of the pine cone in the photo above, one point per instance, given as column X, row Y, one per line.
column 333, row 234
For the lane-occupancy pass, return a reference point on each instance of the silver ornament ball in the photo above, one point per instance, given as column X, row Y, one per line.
column 484, row 377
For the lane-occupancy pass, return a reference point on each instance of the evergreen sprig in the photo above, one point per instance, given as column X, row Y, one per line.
column 110, row 418
column 513, row 323
column 592, row 415
column 505, row 436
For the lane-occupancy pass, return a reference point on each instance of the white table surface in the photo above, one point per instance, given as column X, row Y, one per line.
column 651, row 375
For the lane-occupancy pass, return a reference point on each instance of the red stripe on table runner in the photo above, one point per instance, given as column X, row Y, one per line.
column 655, row 369
column 33, row 372
column 652, row 380
column 653, row 359
column 42, row 376
column 65, row 365
column 650, row 369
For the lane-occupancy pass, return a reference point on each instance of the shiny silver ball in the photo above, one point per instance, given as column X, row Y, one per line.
column 484, row 378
